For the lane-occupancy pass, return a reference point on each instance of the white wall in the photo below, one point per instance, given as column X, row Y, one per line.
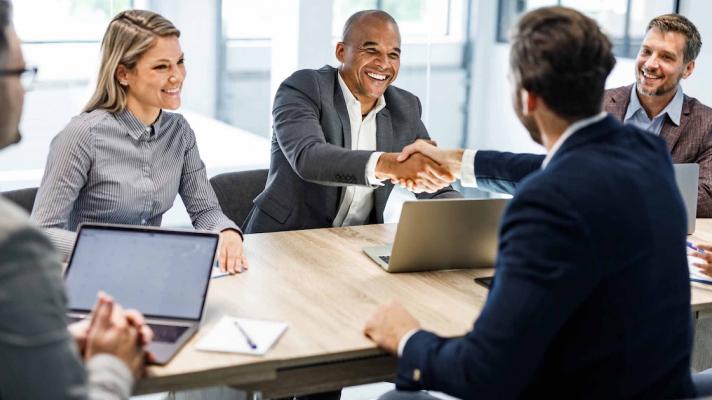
column 493, row 124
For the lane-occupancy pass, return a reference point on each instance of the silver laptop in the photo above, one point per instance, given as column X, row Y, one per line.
column 443, row 234
column 687, row 176
column 162, row 273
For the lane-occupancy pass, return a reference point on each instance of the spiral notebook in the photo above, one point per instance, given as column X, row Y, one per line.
column 235, row 335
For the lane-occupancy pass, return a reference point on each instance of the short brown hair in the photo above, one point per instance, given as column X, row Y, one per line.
column 678, row 23
column 563, row 57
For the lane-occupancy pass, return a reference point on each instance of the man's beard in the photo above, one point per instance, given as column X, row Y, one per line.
column 660, row 91
column 527, row 122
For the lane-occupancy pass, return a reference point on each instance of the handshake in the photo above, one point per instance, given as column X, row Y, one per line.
column 421, row 167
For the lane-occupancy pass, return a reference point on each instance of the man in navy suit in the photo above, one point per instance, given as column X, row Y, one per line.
column 591, row 297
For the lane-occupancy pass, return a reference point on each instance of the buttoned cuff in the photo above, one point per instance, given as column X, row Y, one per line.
column 467, row 169
column 404, row 340
column 371, row 169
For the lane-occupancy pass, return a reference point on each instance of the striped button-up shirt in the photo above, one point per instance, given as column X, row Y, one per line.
column 106, row 167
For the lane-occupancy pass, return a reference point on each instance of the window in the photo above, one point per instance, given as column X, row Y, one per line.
column 63, row 40
column 418, row 19
column 623, row 21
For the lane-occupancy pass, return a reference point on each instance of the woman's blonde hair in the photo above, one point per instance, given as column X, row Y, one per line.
column 129, row 35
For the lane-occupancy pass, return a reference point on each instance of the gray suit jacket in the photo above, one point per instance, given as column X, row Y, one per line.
column 38, row 357
column 691, row 142
column 311, row 159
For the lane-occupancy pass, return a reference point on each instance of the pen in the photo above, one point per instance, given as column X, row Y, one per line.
column 247, row 337
column 695, row 248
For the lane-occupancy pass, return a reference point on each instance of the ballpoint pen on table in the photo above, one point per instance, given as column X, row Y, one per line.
column 695, row 248
column 249, row 340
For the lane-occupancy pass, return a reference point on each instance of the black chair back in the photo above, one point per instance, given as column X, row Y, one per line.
column 24, row 198
column 237, row 190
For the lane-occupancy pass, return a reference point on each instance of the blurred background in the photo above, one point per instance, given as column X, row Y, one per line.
column 455, row 58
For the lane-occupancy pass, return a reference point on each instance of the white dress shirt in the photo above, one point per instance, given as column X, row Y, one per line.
column 357, row 201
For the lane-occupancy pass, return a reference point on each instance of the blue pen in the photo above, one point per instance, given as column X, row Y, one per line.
column 247, row 337
column 695, row 248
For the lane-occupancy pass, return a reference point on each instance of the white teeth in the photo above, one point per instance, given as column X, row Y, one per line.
column 171, row 91
column 647, row 75
column 376, row 76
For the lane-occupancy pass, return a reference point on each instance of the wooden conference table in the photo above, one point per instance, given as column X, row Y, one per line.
column 322, row 284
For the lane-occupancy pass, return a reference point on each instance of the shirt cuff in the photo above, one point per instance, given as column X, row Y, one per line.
column 371, row 169
column 109, row 377
column 404, row 341
column 467, row 169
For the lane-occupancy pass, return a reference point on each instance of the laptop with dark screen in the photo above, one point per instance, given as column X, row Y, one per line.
column 162, row 273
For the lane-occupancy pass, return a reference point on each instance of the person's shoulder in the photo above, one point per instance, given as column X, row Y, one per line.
column 84, row 125
column 697, row 108
column 619, row 91
column 396, row 95
column 12, row 219
column 324, row 76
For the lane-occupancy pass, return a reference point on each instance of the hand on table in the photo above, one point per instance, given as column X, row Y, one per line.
column 450, row 159
column 231, row 257
column 389, row 324
column 426, row 174
column 704, row 256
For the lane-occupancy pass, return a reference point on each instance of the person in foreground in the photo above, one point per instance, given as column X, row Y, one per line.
column 591, row 297
column 41, row 358
column 337, row 132
column 124, row 159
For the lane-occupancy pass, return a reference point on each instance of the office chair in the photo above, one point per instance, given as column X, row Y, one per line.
column 24, row 198
column 237, row 190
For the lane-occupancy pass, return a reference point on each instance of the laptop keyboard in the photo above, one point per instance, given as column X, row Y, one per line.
column 386, row 259
column 167, row 333
column 161, row 333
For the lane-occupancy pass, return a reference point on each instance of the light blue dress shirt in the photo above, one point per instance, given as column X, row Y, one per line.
column 636, row 115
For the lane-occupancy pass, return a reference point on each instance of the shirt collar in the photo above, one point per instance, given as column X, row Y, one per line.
column 352, row 100
column 573, row 128
column 135, row 127
column 673, row 109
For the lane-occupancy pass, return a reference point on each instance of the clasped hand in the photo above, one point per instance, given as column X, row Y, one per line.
column 417, row 172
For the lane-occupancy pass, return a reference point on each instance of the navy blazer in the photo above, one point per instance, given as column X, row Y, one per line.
column 592, row 295
column 311, row 158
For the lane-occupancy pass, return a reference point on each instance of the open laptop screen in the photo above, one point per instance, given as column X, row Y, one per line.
column 159, row 273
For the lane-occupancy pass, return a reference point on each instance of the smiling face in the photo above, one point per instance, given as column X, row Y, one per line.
column 155, row 82
column 370, row 59
column 660, row 64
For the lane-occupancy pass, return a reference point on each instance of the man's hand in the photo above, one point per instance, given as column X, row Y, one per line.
column 704, row 256
column 231, row 257
column 448, row 158
column 426, row 174
column 79, row 331
column 113, row 332
column 389, row 324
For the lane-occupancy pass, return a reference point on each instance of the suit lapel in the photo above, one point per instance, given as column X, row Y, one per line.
column 617, row 101
column 670, row 132
column 340, row 105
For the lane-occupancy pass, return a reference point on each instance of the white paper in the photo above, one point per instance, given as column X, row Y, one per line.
column 226, row 337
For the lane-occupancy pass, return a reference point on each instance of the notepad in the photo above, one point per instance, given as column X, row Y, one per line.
column 226, row 337
column 696, row 274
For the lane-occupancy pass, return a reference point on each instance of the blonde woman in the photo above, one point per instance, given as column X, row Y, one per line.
column 124, row 159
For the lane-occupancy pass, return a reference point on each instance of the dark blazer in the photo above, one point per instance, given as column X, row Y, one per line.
column 691, row 142
column 592, row 296
column 312, row 161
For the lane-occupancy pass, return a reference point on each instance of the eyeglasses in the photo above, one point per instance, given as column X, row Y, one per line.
column 27, row 76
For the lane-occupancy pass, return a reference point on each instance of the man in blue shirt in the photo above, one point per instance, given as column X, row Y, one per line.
column 656, row 102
